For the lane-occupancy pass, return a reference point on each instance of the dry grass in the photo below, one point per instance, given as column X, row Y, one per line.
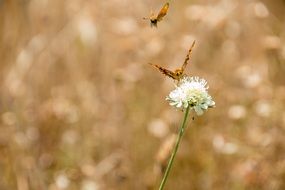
column 81, row 109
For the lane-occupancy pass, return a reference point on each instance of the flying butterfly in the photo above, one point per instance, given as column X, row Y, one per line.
column 154, row 19
column 178, row 73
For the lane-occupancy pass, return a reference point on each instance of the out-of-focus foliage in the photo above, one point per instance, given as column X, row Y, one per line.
column 80, row 108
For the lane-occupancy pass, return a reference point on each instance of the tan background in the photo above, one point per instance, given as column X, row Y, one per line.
column 80, row 108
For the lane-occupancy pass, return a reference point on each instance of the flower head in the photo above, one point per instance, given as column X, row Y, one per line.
column 191, row 91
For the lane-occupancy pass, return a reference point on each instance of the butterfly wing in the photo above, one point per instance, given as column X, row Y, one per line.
column 162, row 12
column 165, row 71
column 187, row 57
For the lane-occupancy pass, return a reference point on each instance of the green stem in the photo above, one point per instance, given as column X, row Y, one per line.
column 181, row 132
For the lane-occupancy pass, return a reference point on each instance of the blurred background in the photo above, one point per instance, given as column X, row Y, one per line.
column 80, row 108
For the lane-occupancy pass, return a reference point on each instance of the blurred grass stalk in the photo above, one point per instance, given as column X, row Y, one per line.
column 179, row 137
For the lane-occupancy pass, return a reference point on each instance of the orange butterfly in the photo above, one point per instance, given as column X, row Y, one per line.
column 156, row 18
column 178, row 73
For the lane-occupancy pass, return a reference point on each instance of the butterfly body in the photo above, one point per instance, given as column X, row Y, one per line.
column 153, row 22
column 178, row 73
column 154, row 19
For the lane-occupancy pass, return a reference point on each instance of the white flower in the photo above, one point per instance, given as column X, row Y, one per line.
column 191, row 91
